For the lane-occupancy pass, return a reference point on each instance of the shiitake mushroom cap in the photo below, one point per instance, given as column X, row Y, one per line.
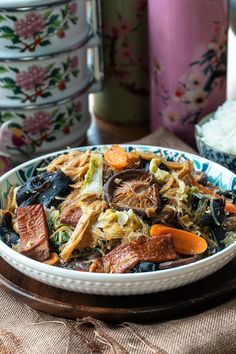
column 134, row 189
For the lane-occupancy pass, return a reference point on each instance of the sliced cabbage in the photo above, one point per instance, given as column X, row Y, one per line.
column 93, row 180
column 161, row 176
column 114, row 224
column 230, row 238
column 60, row 237
column 53, row 219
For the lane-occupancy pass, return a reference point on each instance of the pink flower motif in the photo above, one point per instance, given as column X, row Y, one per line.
column 124, row 27
column 74, row 62
column 78, row 106
column 224, row 35
column 214, row 61
column 213, row 45
column 35, row 75
column 222, row 48
column 197, row 99
column 195, row 80
column 40, row 121
column 33, row 23
column 73, row 8
column 170, row 116
column 159, row 67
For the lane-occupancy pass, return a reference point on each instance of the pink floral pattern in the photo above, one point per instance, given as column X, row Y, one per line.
column 38, row 81
column 196, row 85
column 32, row 24
column 40, row 121
column 38, row 29
column 34, row 76
column 27, row 133
column 121, row 59
column 73, row 8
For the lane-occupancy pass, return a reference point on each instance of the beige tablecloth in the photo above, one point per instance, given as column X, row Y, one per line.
column 26, row 331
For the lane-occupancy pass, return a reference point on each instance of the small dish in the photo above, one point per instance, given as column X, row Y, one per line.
column 119, row 284
column 212, row 153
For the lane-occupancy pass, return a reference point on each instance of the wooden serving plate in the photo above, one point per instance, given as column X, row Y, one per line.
column 171, row 304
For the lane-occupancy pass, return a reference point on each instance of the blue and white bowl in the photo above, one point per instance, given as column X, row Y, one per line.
column 210, row 152
column 118, row 284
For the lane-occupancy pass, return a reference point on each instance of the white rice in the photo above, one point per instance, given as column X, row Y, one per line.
column 220, row 131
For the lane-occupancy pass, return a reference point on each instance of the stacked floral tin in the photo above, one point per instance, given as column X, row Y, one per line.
column 48, row 65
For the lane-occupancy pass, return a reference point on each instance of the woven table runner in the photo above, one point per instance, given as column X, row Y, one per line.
column 27, row 331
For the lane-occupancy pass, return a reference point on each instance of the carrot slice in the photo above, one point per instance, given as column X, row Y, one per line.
column 206, row 190
column 230, row 207
column 116, row 157
column 184, row 242
column 52, row 259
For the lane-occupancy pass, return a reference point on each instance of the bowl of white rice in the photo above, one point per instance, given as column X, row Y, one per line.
column 216, row 135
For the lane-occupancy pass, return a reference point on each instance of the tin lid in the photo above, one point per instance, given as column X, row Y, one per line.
column 23, row 5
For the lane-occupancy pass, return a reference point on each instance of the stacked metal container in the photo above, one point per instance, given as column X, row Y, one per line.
column 49, row 63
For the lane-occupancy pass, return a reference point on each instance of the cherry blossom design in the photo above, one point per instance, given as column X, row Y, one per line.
column 38, row 29
column 73, row 8
column 121, row 59
column 40, row 121
column 196, row 85
column 27, row 133
column 33, row 77
column 197, row 98
column 74, row 62
column 195, row 80
column 38, row 81
column 170, row 115
column 27, row 28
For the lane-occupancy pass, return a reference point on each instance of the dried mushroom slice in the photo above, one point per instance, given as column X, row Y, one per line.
column 133, row 189
column 43, row 189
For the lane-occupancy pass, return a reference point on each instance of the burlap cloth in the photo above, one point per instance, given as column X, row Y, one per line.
column 26, row 331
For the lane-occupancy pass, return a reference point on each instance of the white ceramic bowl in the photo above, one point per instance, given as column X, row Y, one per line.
column 41, row 27
column 119, row 284
column 212, row 152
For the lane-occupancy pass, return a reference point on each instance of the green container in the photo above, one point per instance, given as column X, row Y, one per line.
column 125, row 97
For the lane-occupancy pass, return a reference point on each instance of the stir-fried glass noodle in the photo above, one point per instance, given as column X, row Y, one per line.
column 112, row 211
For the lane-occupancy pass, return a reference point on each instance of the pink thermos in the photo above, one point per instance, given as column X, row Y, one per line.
column 188, row 54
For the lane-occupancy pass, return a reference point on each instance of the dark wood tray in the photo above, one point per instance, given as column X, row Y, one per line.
column 175, row 303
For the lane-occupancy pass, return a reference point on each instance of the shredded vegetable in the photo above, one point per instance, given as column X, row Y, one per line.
column 111, row 203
